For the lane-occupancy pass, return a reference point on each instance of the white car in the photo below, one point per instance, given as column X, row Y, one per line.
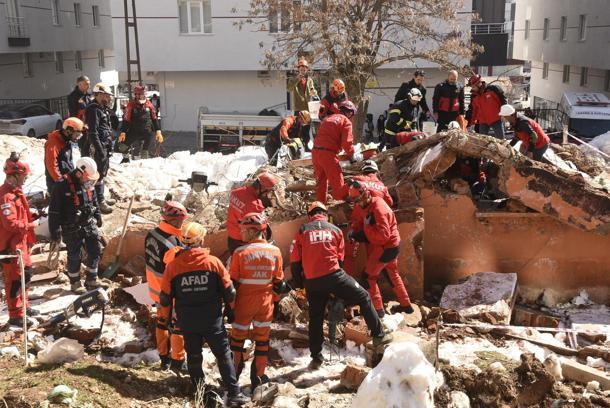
column 28, row 120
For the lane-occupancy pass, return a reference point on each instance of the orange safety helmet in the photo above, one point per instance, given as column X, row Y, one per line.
column 173, row 210
column 254, row 220
column 13, row 165
column 267, row 180
column 316, row 205
column 338, row 86
column 302, row 62
column 74, row 123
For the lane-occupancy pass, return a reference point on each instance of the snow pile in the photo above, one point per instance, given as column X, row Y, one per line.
column 159, row 175
column 602, row 142
column 32, row 152
column 403, row 378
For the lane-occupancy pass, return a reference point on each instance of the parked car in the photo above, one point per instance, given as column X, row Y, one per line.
column 28, row 119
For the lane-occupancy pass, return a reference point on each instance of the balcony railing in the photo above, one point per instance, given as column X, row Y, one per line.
column 490, row 28
column 16, row 27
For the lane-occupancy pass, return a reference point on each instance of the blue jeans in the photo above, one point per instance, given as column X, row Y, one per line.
column 497, row 127
column 538, row 153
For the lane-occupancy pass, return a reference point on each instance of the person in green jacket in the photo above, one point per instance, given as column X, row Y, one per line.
column 303, row 90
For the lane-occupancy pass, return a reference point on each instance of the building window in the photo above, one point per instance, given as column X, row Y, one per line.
column 282, row 20
column 286, row 19
column 563, row 31
column 527, row 29
column 59, row 62
column 584, row 76
column 545, row 32
column 607, row 84
column 566, row 74
column 297, row 15
column 77, row 14
column 582, row 27
column 101, row 60
column 273, row 22
column 27, row 65
column 78, row 61
column 195, row 16
column 545, row 70
column 55, row 12
column 96, row 16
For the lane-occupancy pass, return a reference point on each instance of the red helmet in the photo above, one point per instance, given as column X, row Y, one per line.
column 267, row 180
column 338, row 86
column 473, row 80
column 173, row 211
column 357, row 190
column 348, row 106
column 254, row 220
column 14, row 166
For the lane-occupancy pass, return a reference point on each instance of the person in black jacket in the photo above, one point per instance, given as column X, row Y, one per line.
column 78, row 100
column 417, row 82
column 448, row 101
column 100, row 139
column 75, row 216
column 403, row 117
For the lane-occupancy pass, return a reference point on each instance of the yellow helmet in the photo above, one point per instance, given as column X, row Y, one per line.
column 192, row 233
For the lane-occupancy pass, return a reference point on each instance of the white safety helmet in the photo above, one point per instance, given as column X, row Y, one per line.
column 101, row 88
column 369, row 166
column 453, row 125
column 88, row 167
column 415, row 94
column 507, row 110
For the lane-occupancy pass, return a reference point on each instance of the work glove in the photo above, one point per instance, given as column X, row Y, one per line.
column 98, row 221
column 122, row 137
column 159, row 136
column 356, row 157
column 359, row 236
column 229, row 314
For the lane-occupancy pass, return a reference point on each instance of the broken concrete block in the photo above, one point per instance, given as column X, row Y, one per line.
column 134, row 347
column 484, row 292
column 133, row 245
column 524, row 316
column 136, row 266
column 459, row 186
column 583, row 374
column 353, row 375
column 357, row 332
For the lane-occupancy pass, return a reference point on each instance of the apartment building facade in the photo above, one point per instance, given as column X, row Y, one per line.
column 46, row 44
column 193, row 53
column 566, row 42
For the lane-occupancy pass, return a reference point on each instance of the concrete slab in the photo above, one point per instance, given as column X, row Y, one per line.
column 485, row 292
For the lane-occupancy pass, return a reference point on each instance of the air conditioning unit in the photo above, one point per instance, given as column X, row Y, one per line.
column 263, row 74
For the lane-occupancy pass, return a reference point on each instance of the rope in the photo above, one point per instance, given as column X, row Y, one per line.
column 590, row 146
column 497, row 326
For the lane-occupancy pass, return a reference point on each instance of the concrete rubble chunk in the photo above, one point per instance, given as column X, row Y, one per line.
column 583, row 374
column 483, row 293
column 353, row 375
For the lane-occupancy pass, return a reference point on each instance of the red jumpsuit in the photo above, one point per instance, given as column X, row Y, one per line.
column 381, row 231
column 255, row 268
column 334, row 134
column 15, row 233
column 377, row 189
column 243, row 200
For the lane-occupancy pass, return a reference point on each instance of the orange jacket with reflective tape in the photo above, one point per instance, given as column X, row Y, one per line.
column 256, row 266
column 158, row 241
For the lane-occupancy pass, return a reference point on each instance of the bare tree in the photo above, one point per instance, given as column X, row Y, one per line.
column 352, row 38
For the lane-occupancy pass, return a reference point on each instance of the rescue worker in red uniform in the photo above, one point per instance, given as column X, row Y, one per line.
column 487, row 101
column 380, row 231
column 254, row 197
column 448, row 101
column 287, row 130
column 196, row 284
column 403, row 117
column 74, row 216
column 369, row 179
column 316, row 262
column 157, row 243
column 533, row 138
column 139, row 122
column 58, row 151
column 256, row 271
column 16, row 232
column 329, row 105
column 334, row 134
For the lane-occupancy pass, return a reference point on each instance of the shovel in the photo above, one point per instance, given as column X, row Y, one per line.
column 111, row 270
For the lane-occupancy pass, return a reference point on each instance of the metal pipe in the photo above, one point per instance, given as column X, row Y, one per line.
column 23, row 306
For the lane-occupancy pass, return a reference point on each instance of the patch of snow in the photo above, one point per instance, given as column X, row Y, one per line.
column 403, row 378
column 392, row 321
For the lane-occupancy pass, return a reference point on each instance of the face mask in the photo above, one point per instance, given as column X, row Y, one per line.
column 89, row 185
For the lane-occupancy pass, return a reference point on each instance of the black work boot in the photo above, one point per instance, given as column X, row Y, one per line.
column 316, row 361
column 18, row 321
column 178, row 367
column 237, row 400
column 104, row 208
column 165, row 360
column 380, row 313
column 256, row 381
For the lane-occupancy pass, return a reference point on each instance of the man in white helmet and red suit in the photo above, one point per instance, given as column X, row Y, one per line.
column 74, row 217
